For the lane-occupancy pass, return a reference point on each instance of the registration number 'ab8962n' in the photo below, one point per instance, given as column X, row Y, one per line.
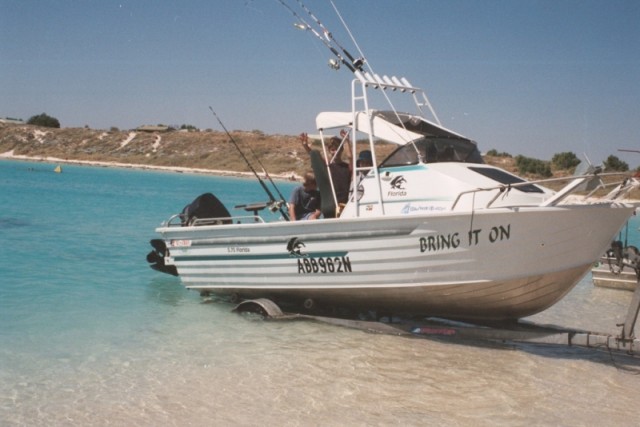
column 324, row 265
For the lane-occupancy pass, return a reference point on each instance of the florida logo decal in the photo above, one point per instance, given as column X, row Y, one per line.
column 294, row 246
column 398, row 183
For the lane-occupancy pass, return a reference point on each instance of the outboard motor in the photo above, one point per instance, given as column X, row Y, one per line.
column 156, row 258
column 205, row 206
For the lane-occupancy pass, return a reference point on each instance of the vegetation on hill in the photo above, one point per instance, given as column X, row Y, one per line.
column 530, row 166
column 44, row 120
column 565, row 161
column 615, row 164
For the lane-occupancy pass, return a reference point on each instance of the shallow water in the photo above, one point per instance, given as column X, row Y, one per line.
column 91, row 336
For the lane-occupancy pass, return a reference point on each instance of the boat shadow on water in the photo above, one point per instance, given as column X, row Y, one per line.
column 624, row 362
column 549, row 341
column 620, row 360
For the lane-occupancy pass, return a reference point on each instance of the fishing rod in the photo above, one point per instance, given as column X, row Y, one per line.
column 274, row 202
column 304, row 25
column 353, row 39
column 356, row 63
column 264, row 170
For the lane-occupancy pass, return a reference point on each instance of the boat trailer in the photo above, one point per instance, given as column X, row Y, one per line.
column 504, row 332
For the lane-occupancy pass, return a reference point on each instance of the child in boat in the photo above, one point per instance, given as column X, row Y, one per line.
column 304, row 203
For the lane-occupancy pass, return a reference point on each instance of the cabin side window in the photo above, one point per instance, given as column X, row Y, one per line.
column 505, row 178
column 404, row 155
column 434, row 150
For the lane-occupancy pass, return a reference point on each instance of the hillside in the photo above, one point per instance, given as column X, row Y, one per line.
column 281, row 155
column 212, row 150
column 205, row 150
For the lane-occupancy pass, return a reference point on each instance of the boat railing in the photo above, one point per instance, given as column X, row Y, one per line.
column 177, row 221
column 227, row 220
column 622, row 188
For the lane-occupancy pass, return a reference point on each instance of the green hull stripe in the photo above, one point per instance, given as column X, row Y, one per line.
column 250, row 257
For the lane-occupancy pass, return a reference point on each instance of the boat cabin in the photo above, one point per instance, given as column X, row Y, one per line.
column 433, row 170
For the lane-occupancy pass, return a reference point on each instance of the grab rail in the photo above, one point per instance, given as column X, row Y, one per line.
column 625, row 187
column 197, row 222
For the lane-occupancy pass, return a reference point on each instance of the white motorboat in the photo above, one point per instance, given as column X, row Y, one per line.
column 431, row 229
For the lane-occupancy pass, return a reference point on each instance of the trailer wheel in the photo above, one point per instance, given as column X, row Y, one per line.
column 261, row 306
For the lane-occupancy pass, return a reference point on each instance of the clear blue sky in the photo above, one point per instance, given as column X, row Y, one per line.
column 526, row 77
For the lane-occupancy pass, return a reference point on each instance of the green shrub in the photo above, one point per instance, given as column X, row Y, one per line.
column 533, row 166
column 565, row 161
column 44, row 120
column 495, row 153
column 615, row 164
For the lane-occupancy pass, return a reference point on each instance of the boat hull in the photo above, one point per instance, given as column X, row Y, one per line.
column 491, row 264
column 509, row 299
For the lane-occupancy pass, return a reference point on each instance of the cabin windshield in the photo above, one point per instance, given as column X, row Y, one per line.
column 434, row 150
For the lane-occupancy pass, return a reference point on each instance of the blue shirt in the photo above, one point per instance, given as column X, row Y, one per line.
column 305, row 202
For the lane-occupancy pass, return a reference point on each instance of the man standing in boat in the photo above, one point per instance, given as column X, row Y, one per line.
column 340, row 171
column 340, row 179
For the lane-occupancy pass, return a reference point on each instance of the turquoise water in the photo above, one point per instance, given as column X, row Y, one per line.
column 90, row 335
column 630, row 234
column 74, row 244
column 75, row 283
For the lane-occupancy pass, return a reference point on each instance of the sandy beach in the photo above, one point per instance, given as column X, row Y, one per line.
column 9, row 155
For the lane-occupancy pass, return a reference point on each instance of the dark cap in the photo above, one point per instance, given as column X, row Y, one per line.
column 365, row 155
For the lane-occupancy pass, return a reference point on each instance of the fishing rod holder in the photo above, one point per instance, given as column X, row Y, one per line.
column 257, row 207
column 254, row 207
